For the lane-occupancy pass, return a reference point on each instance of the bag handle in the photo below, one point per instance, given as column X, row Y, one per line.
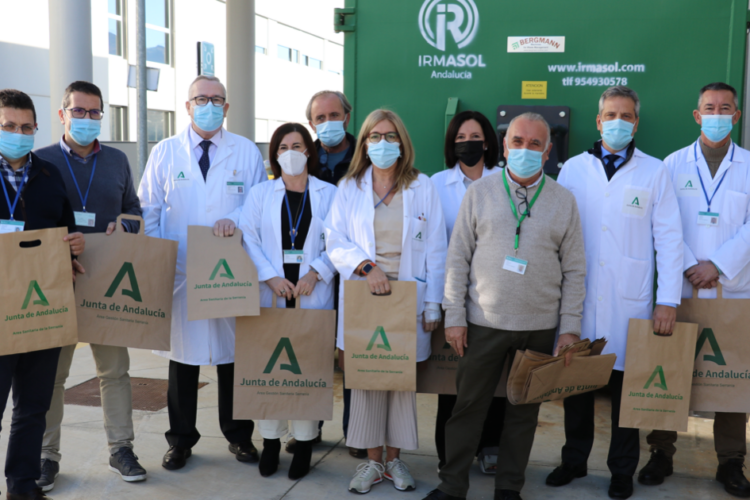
column 719, row 292
column 386, row 294
column 136, row 218
column 275, row 298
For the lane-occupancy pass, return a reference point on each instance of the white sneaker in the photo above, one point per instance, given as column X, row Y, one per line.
column 398, row 472
column 368, row 473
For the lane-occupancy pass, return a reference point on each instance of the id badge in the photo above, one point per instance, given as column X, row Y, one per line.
column 235, row 188
column 85, row 219
column 710, row 219
column 515, row 265
column 294, row 257
column 11, row 226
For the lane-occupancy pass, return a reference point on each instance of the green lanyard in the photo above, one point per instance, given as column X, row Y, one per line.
column 513, row 205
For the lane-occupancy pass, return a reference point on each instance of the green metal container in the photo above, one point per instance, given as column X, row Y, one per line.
column 428, row 59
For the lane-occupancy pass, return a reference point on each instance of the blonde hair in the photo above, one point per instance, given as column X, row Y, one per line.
column 405, row 171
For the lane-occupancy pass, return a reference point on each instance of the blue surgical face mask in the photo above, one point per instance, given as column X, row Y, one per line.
column 383, row 154
column 524, row 163
column 14, row 146
column 84, row 130
column 209, row 117
column 617, row 133
column 330, row 133
column 716, row 127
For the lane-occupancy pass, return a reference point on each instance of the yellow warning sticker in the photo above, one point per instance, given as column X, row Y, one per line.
column 533, row 90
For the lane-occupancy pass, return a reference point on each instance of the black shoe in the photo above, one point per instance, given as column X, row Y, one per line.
column 245, row 452
column 621, row 486
column 658, row 467
column 507, row 495
column 176, row 458
column 36, row 494
column 439, row 495
column 293, row 442
column 565, row 473
column 731, row 476
column 301, row 460
column 125, row 463
column 50, row 471
column 357, row 453
column 269, row 459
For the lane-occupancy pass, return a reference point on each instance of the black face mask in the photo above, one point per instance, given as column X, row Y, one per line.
column 469, row 152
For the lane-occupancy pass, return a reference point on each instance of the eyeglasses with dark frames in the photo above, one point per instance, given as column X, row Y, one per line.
column 375, row 137
column 13, row 129
column 522, row 193
column 94, row 114
column 201, row 100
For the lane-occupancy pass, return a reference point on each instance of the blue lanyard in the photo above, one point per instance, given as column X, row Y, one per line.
column 73, row 175
column 299, row 217
column 386, row 196
column 709, row 200
column 12, row 208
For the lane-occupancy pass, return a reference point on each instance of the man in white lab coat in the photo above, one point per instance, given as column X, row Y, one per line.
column 712, row 175
column 200, row 177
column 628, row 210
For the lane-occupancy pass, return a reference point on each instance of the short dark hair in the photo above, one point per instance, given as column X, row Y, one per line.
column 278, row 136
column 719, row 86
column 85, row 88
column 492, row 151
column 11, row 98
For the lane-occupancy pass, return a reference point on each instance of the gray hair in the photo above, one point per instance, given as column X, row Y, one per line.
column 344, row 102
column 534, row 117
column 210, row 79
column 620, row 91
column 719, row 86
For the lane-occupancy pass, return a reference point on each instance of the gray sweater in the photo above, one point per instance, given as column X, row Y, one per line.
column 112, row 191
column 479, row 290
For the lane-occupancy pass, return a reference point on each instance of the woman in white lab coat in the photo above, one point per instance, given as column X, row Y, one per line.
column 386, row 223
column 471, row 152
column 282, row 223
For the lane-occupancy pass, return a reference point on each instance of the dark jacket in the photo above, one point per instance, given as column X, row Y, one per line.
column 44, row 200
column 333, row 177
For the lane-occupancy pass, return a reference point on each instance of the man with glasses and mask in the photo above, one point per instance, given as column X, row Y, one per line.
column 514, row 276
column 628, row 210
column 100, row 188
column 328, row 113
column 200, row 177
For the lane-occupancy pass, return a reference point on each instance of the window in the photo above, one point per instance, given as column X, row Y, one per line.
column 116, row 28
column 160, row 125
column 158, row 33
column 288, row 54
column 118, row 123
column 313, row 63
column 260, row 50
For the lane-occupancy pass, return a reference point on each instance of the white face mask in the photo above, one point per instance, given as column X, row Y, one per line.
column 293, row 162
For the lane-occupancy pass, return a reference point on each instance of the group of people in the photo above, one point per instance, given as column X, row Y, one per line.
column 509, row 259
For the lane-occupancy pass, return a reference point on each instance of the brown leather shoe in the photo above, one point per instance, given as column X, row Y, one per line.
column 357, row 453
column 35, row 494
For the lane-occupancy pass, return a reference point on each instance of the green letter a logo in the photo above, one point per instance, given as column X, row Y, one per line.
column 717, row 357
column 219, row 265
column 662, row 384
column 181, row 175
column 379, row 332
column 284, row 345
column 34, row 287
column 135, row 292
column 635, row 202
column 689, row 184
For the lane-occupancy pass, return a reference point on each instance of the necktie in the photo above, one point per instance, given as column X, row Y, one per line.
column 609, row 167
column 205, row 162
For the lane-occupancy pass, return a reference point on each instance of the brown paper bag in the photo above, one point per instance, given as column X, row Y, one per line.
column 37, row 303
column 284, row 364
column 380, row 337
column 437, row 375
column 125, row 297
column 721, row 381
column 222, row 281
column 656, row 387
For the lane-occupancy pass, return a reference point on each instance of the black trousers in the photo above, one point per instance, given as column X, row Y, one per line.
column 182, row 401
column 32, row 377
column 491, row 432
column 624, row 446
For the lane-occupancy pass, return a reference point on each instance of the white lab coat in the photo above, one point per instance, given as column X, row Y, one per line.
column 260, row 222
column 451, row 190
column 350, row 237
column 173, row 196
column 728, row 245
column 623, row 222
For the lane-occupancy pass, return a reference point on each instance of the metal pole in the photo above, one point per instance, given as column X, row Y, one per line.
column 241, row 67
column 142, row 130
column 70, row 54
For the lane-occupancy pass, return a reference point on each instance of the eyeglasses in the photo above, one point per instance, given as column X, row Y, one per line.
column 522, row 193
column 94, row 114
column 13, row 128
column 201, row 100
column 377, row 137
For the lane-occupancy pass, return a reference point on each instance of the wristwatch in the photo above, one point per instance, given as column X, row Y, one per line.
column 317, row 274
column 367, row 268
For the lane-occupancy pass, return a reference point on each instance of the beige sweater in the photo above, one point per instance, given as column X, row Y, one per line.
column 479, row 290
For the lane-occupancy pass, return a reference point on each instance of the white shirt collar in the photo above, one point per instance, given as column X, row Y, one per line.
column 195, row 139
column 517, row 184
